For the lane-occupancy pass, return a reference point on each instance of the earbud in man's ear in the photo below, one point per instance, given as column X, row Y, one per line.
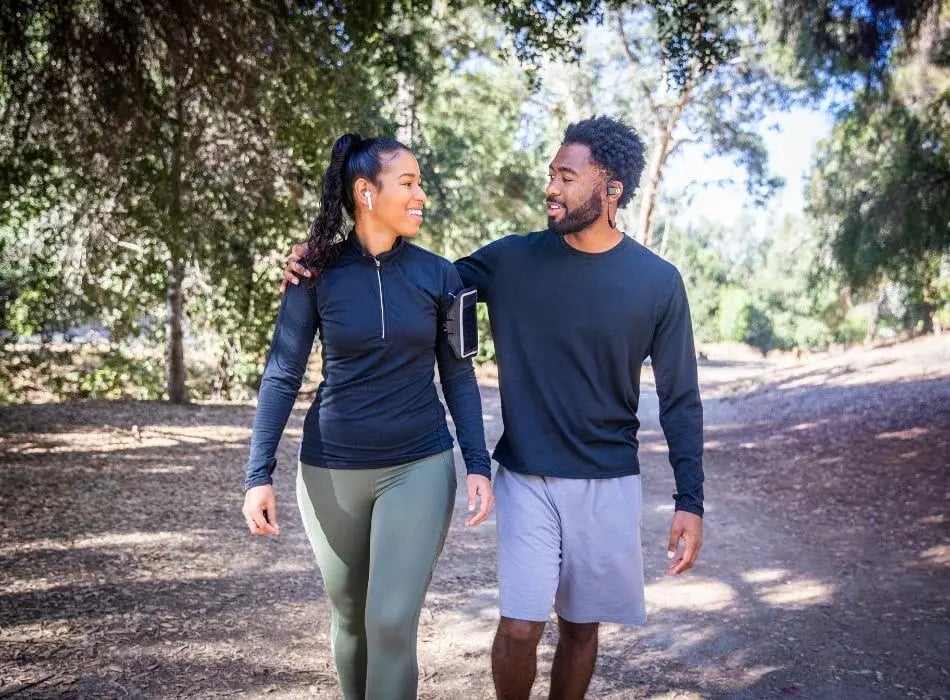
column 614, row 188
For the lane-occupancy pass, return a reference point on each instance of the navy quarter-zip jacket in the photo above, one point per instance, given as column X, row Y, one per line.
column 379, row 320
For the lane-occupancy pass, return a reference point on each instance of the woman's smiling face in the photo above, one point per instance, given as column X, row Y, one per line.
column 398, row 201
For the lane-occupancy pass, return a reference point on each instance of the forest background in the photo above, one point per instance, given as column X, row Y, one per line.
column 158, row 159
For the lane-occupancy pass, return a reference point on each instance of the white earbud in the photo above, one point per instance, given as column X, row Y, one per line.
column 369, row 200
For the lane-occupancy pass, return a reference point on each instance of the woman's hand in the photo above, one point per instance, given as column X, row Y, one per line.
column 260, row 510
column 479, row 488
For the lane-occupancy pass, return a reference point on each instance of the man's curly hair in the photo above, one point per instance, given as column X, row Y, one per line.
column 615, row 147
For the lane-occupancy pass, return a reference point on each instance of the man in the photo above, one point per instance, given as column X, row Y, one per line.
column 575, row 311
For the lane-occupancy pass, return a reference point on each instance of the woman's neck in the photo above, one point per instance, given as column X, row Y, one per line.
column 374, row 241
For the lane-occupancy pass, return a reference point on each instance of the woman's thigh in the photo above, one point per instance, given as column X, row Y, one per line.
column 410, row 519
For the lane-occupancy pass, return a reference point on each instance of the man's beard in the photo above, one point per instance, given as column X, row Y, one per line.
column 576, row 220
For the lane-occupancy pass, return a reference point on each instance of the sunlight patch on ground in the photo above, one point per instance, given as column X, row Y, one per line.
column 939, row 555
column 127, row 539
column 695, row 594
column 116, row 440
column 86, row 442
column 170, row 469
column 217, row 433
column 797, row 593
column 287, row 567
column 764, row 575
column 35, row 585
column 909, row 434
column 748, row 677
column 654, row 448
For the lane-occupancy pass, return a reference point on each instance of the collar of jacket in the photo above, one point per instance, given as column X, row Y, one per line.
column 357, row 248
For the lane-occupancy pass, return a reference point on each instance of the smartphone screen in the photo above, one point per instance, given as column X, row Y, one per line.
column 469, row 324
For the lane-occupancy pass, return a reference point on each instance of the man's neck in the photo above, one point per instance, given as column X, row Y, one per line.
column 596, row 238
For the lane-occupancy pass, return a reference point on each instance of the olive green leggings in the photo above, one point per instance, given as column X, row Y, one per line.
column 376, row 534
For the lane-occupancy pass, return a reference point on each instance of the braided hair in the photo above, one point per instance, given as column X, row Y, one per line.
column 352, row 157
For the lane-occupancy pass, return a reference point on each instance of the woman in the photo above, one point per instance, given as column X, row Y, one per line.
column 376, row 479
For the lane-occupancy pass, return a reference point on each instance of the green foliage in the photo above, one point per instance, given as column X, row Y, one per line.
column 705, row 272
column 880, row 189
column 206, row 171
column 853, row 328
column 64, row 372
column 834, row 43
column 150, row 146
column 761, row 290
column 735, row 307
column 481, row 184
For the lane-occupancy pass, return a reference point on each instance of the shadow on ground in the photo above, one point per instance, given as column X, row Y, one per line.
column 126, row 571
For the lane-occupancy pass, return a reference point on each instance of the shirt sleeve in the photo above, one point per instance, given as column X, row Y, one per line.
column 460, row 388
column 297, row 323
column 478, row 269
column 677, row 386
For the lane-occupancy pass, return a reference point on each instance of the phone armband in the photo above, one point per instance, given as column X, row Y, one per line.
column 461, row 324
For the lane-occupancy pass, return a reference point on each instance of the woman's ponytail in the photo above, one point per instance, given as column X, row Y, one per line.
column 326, row 231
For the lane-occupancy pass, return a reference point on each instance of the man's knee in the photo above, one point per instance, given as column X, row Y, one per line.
column 524, row 633
column 579, row 633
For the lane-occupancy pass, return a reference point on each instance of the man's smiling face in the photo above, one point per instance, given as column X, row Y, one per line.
column 576, row 190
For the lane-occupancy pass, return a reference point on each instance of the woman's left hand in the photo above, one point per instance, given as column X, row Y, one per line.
column 479, row 488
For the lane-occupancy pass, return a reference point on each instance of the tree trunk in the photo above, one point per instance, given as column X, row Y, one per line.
column 650, row 191
column 405, row 109
column 175, row 353
column 927, row 312
column 175, row 268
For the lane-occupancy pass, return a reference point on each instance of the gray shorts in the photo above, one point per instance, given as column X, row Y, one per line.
column 575, row 542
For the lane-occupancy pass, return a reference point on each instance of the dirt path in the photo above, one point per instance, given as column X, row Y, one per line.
column 125, row 572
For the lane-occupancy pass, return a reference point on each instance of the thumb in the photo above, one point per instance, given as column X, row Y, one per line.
column 472, row 491
column 272, row 511
column 674, row 543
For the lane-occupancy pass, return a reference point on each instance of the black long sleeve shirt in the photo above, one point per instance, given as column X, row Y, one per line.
column 571, row 332
column 380, row 321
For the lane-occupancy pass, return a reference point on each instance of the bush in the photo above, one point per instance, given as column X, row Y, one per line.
column 942, row 317
column 811, row 334
column 734, row 305
column 48, row 371
column 742, row 321
column 852, row 329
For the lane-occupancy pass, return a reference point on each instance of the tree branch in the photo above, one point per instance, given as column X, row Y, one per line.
column 679, row 142
column 634, row 64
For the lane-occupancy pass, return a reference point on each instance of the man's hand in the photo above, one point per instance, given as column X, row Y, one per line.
column 293, row 266
column 260, row 510
column 689, row 528
column 479, row 487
